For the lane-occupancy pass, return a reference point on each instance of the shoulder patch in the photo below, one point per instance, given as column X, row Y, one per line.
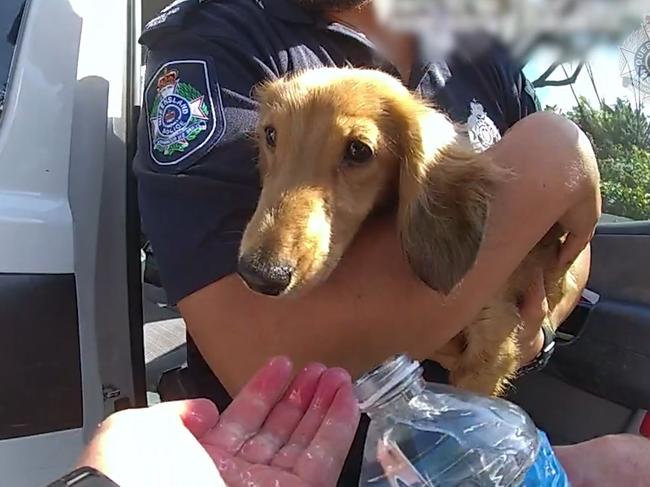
column 183, row 114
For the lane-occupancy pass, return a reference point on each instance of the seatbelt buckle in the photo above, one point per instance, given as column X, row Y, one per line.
column 591, row 297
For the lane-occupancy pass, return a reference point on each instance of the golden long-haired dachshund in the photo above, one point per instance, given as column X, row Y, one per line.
column 335, row 145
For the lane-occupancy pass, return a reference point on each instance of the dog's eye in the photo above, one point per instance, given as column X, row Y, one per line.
column 357, row 153
column 271, row 136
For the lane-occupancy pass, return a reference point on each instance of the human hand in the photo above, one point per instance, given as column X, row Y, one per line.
column 272, row 434
column 607, row 461
column 297, row 438
column 158, row 446
column 533, row 309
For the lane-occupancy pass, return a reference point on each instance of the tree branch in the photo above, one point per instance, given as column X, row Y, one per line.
column 545, row 75
column 543, row 80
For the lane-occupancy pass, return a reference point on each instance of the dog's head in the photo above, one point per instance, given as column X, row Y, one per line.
column 334, row 144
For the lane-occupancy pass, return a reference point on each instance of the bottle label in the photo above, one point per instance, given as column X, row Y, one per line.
column 547, row 470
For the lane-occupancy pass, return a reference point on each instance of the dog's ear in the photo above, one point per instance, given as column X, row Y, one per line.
column 444, row 195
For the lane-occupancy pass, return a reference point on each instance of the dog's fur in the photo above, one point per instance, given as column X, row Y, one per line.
column 313, row 202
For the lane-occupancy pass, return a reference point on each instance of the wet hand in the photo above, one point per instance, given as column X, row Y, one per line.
column 277, row 432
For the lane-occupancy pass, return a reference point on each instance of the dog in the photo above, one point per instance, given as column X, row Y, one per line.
column 336, row 144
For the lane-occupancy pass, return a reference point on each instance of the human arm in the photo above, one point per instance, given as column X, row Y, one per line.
column 534, row 306
column 609, row 460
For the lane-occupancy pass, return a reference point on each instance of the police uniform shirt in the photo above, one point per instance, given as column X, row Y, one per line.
column 196, row 166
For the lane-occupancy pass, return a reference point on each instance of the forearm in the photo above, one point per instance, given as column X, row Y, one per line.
column 608, row 460
column 349, row 321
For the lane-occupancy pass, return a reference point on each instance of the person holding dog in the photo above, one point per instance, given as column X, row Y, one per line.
column 198, row 187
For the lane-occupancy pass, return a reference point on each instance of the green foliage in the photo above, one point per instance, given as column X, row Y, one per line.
column 620, row 134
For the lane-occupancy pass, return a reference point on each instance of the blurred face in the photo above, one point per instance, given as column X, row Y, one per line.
column 321, row 5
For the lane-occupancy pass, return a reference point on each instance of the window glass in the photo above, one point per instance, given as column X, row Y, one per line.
column 607, row 93
column 11, row 13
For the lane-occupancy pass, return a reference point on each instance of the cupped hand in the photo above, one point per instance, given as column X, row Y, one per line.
column 284, row 435
column 276, row 432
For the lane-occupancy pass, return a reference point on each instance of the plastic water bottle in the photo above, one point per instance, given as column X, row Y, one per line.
column 425, row 435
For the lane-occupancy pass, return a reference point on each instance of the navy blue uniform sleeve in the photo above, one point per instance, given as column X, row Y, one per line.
column 196, row 161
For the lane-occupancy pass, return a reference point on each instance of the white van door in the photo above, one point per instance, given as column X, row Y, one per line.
column 70, row 306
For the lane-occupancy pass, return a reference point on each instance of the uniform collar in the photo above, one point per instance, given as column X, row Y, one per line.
column 288, row 10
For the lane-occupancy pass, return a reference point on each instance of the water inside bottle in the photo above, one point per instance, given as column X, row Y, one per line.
column 425, row 435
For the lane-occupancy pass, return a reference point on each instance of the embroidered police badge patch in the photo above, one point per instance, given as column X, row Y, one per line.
column 182, row 114
column 483, row 133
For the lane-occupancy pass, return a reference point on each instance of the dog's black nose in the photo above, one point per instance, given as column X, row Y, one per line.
column 263, row 277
